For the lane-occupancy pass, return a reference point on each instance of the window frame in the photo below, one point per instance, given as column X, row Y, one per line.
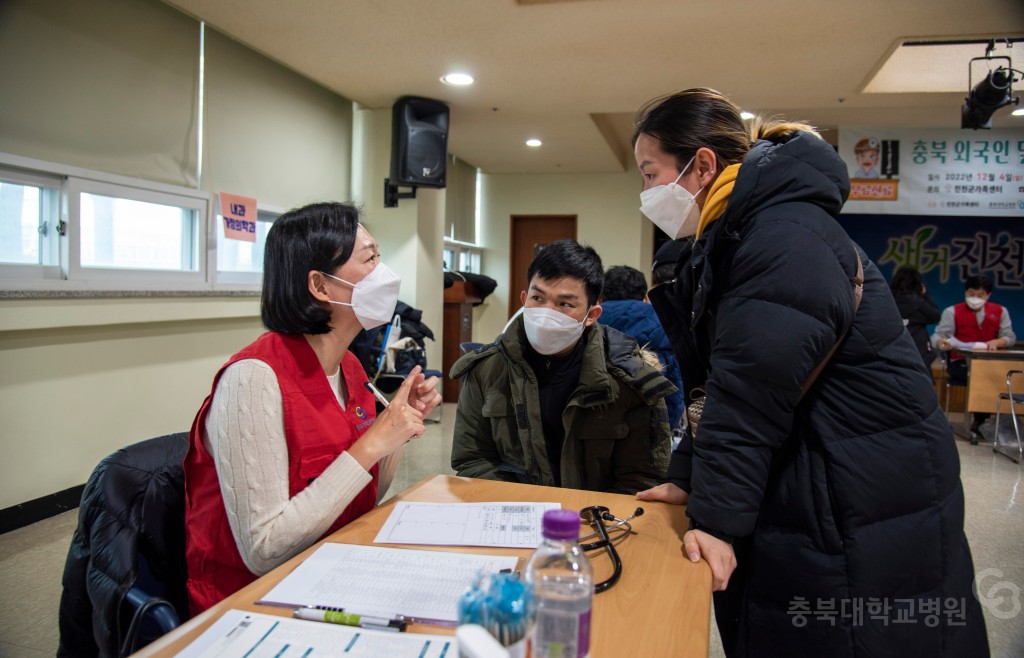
column 68, row 274
column 144, row 279
column 459, row 247
column 55, row 245
column 237, row 280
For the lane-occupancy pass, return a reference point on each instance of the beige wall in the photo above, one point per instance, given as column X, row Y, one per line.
column 81, row 378
column 270, row 133
column 608, row 219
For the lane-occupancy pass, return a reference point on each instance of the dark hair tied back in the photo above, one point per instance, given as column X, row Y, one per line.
column 688, row 120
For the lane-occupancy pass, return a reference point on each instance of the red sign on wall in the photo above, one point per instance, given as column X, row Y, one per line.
column 239, row 213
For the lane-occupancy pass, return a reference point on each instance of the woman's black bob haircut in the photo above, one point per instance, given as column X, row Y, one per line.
column 319, row 237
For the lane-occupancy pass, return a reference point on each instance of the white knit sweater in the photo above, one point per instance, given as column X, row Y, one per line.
column 244, row 433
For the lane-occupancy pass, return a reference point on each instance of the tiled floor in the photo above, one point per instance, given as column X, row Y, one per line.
column 32, row 558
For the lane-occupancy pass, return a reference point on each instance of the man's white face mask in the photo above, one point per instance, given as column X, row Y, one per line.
column 550, row 331
column 975, row 303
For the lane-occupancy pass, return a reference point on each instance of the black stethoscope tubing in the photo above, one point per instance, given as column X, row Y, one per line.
column 596, row 516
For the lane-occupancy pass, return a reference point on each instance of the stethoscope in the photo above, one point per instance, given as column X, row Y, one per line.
column 596, row 515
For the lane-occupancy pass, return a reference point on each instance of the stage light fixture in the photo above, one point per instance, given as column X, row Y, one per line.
column 993, row 92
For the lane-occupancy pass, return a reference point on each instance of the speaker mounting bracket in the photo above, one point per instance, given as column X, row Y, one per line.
column 392, row 195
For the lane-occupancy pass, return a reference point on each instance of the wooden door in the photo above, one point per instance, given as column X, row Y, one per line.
column 529, row 235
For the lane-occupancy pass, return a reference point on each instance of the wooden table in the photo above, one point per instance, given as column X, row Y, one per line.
column 660, row 607
column 986, row 376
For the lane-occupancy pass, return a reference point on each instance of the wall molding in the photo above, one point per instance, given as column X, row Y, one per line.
column 30, row 512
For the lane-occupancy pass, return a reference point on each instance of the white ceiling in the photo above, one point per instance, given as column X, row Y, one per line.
column 574, row 72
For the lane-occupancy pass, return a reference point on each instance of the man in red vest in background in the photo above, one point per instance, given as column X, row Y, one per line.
column 975, row 323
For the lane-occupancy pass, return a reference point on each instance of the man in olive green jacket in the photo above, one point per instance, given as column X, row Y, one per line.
column 558, row 400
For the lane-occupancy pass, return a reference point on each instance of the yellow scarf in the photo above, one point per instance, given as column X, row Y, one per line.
column 718, row 197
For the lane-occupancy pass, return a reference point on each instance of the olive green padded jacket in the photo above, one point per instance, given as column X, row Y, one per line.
column 616, row 425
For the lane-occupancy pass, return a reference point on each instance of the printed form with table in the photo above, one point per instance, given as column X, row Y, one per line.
column 378, row 589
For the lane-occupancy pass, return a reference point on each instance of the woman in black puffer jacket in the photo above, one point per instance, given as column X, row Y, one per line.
column 831, row 517
column 917, row 309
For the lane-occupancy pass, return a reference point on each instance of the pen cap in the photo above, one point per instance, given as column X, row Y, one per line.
column 561, row 525
column 475, row 642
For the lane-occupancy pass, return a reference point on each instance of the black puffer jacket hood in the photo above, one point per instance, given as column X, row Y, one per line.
column 800, row 168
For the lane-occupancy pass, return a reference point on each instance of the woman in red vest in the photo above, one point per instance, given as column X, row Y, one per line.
column 975, row 322
column 287, row 448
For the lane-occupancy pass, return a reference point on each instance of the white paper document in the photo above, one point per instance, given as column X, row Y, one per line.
column 958, row 344
column 509, row 525
column 422, row 586
column 252, row 635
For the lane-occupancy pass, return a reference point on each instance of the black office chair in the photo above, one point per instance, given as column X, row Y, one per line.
column 1014, row 396
column 124, row 579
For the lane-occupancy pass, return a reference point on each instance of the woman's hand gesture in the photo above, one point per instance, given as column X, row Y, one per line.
column 395, row 426
column 423, row 395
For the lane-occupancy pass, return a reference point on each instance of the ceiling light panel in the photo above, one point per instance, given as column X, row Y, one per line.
column 457, row 79
column 939, row 67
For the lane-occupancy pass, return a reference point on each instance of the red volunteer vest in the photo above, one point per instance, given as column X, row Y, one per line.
column 316, row 429
column 967, row 328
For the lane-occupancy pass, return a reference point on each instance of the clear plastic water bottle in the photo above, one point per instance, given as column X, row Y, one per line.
column 563, row 589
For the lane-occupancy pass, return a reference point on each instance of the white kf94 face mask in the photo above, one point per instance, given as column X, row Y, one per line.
column 672, row 208
column 975, row 303
column 374, row 298
column 550, row 331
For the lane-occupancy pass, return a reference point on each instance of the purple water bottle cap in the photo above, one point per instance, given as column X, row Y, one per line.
column 562, row 524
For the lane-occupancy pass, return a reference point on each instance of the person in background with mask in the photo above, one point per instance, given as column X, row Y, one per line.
column 558, row 400
column 287, row 448
column 823, row 475
column 917, row 309
column 977, row 322
column 625, row 307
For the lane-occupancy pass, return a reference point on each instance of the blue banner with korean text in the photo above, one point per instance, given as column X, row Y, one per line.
column 908, row 171
column 947, row 250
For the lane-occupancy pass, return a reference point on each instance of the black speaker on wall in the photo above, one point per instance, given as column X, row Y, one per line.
column 419, row 142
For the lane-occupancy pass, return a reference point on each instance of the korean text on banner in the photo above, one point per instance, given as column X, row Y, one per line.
column 932, row 171
column 239, row 213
